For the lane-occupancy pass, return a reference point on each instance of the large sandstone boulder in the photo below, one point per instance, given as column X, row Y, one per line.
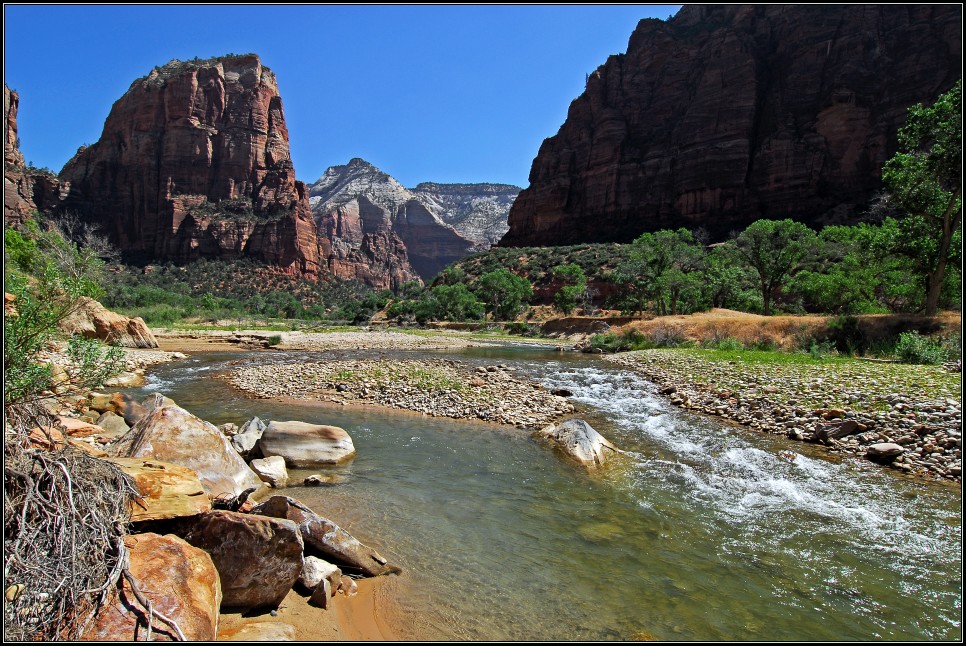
column 307, row 445
column 172, row 434
column 94, row 321
column 179, row 580
column 258, row 558
column 579, row 440
column 167, row 490
column 329, row 539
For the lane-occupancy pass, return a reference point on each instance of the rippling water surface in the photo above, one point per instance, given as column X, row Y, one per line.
column 703, row 531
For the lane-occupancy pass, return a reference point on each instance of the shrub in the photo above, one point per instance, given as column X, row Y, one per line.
column 275, row 339
column 915, row 348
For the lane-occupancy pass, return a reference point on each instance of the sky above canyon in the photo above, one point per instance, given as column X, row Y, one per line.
column 426, row 93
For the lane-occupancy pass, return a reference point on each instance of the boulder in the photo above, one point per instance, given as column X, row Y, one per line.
column 101, row 402
column 329, row 539
column 172, row 434
column 271, row 470
column 579, row 440
column 314, row 570
column 306, row 445
column 156, row 400
column 94, row 321
column 248, row 435
column 884, row 452
column 112, row 423
column 258, row 558
column 127, row 407
column 824, row 432
column 167, row 490
column 322, row 594
column 179, row 580
column 126, row 379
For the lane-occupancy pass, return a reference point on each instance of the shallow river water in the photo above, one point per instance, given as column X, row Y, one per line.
column 703, row 531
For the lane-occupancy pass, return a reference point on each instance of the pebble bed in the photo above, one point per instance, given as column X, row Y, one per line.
column 437, row 387
column 846, row 405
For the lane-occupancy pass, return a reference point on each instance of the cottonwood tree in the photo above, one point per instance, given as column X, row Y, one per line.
column 776, row 250
column 925, row 181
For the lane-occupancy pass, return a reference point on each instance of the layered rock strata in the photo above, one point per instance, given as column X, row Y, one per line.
column 730, row 113
column 194, row 162
column 25, row 189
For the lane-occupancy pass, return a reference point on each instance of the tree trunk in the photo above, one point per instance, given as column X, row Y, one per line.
column 934, row 280
column 766, row 299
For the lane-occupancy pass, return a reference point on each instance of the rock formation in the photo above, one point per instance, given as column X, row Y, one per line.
column 194, row 162
column 726, row 114
column 378, row 227
column 25, row 189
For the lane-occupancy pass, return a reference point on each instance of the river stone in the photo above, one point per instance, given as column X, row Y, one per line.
column 314, row 570
column 258, row 558
column 306, row 445
column 322, row 594
column 271, row 470
column 248, row 435
column 113, row 423
column 172, row 434
column 329, row 539
column 579, row 440
column 835, row 430
column 179, row 580
column 884, row 452
column 167, row 490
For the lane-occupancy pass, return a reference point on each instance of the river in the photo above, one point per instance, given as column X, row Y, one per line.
column 703, row 531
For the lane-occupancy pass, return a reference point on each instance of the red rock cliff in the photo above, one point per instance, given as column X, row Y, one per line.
column 727, row 114
column 194, row 162
column 24, row 189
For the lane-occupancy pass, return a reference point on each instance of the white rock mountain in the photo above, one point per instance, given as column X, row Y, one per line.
column 363, row 210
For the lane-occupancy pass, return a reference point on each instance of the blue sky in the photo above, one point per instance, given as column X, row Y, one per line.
column 454, row 93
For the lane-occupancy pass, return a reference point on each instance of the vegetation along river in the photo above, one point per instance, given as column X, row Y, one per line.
column 704, row 531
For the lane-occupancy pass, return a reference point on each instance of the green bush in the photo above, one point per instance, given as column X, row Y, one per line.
column 915, row 348
column 275, row 339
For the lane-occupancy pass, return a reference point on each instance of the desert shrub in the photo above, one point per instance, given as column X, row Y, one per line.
column 912, row 347
column 275, row 339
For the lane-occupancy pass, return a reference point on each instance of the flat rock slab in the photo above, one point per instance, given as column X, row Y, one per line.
column 258, row 558
column 328, row 538
column 179, row 580
column 265, row 631
column 172, row 434
column 167, row 490
column 307, row 445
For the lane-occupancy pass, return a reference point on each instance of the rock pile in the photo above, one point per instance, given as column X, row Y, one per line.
column 909, row 417
column 437, row 387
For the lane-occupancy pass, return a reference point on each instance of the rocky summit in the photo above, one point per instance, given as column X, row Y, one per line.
column 25, row 189
column 194, row 162
column 377, row 227
column 725, row 114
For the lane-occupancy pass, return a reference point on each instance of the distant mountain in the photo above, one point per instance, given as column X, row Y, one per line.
column 358, row 206
column 725, row 114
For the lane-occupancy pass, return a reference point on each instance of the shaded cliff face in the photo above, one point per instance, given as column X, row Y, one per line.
column 378, row 226
column 727, row 114
column 194, row 162
column 25, row 190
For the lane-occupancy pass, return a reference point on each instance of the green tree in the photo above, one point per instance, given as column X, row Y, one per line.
column 573, row 288
column 661, row 268
column 456, row 303
column 775, row 249
column 504, row 293
column 925, row 180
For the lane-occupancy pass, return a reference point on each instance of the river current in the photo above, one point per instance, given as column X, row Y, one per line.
column 702, row 531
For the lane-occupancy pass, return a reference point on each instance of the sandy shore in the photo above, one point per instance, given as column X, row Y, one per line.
column 214, row 340
column 370, row 615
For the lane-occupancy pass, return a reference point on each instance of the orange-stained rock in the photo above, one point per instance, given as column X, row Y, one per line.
column 259, row 558
column 167, row 490
column 179, row 580
column 194, row 162
column 725, row 114
column 92, row 320
column 172, row 434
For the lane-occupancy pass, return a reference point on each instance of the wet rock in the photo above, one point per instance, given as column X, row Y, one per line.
column 323, row 480
column 579, row 440
column 329, row 539
column 258, row 558
column 179, row 580
column 307, row 445
column 172, row 434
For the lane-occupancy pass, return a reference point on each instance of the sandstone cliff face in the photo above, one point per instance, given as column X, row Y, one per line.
column 727, row 114
column 379, row 227
column 194, row 162
column 24, row 189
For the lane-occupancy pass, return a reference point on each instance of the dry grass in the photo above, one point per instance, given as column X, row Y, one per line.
column 786, row 332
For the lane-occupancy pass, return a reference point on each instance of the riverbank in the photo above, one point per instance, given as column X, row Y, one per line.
column 435, row 387
column 847, row 405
